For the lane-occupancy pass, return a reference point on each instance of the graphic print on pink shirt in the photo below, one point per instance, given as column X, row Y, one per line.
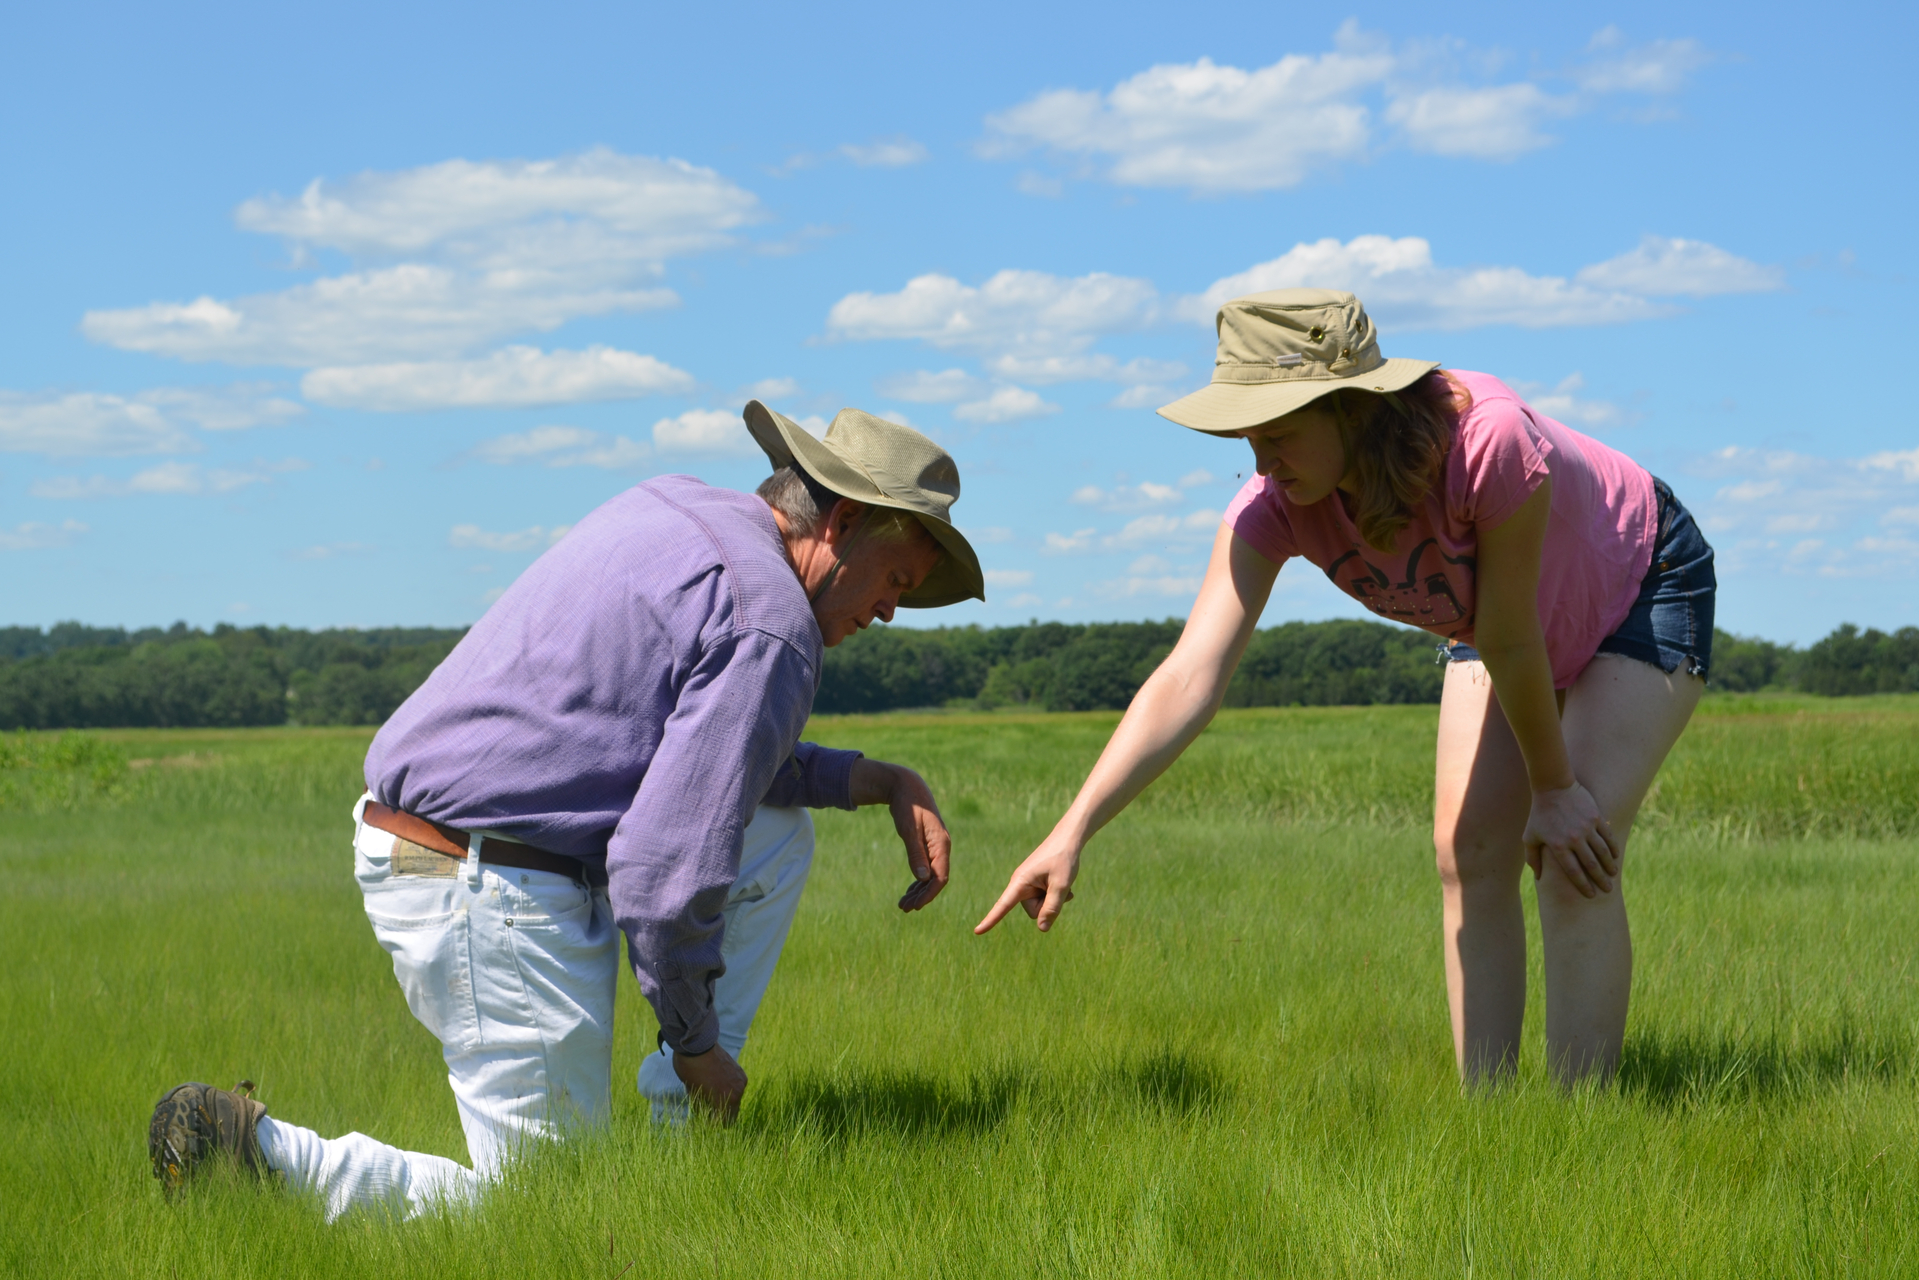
column 1598, row 540
column 1423, row 597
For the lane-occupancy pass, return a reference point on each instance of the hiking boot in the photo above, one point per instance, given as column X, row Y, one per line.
column 196, row 1122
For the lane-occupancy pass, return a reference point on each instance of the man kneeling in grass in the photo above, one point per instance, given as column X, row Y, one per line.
column 616, row 743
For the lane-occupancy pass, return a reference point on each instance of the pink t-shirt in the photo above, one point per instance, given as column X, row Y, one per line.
column 1599, row 541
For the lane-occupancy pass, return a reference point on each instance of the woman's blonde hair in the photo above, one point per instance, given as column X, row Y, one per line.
column 1396, row 444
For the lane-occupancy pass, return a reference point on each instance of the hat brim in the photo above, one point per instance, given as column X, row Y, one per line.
column 956, row 577
column 1226, row 408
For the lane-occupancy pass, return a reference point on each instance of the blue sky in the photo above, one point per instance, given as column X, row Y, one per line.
column 339, row 318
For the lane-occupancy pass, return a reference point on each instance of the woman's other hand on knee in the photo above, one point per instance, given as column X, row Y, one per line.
column 1567, row 828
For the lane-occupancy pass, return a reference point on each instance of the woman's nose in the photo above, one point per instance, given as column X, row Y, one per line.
column 884, row 609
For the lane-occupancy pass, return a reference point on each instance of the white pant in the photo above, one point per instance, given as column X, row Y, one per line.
column 514, row 971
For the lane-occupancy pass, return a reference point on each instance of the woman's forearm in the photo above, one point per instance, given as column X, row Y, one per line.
column 1179, row 699
column 1522, row 676
column 1167, row 713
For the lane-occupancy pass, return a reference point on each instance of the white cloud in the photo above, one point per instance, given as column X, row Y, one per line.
column 1144, row 397
column 584, row 212
column 989, row 533
column 1026, row 310
column 1904, row 463
column 1766, row 500
column 1153, row 585
column 771, row 389
column 1661, row 268
column 885, row 153
column 713, row 431
column 178, row 478
column 1205, row 126
column 558, row 446
column 1127, row 497
column 924, row 387
column 1659, row 67
column 1496, row 123
column 539, row 442
column 1089, row 367
column 1210, row 128
column 531, row 538
column 1164, row 530
column 1562, row 402
column 1024, row 600
column 457, row 254
column 509, row 378
column 1008, row 577
column 1006, row 404
column 97, row 424
column 1038, row 184
column 1145, row 529
column 1403, row 288
column 35, row 536
column 412, row 309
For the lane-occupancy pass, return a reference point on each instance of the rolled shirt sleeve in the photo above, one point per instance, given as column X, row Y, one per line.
column 814, row 777
column 675, row 854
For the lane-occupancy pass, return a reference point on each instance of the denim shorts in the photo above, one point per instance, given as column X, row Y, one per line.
column 1670, row 625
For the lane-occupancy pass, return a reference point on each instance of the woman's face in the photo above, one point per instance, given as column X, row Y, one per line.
column 1301, row 453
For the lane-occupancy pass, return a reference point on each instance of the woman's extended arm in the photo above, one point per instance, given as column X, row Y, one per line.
column 1565, row 821
column 1176, row 702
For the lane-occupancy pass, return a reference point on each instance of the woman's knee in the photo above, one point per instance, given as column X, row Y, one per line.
column 1558, row 895
column 1468, row 858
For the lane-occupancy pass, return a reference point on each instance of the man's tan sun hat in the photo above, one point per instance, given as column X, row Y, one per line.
column 1282, row 350
column 885, row 464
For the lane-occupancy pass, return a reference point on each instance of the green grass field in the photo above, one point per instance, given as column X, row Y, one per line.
column 1230, row 1058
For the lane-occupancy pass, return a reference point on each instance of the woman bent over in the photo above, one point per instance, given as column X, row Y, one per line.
column 1577, row 597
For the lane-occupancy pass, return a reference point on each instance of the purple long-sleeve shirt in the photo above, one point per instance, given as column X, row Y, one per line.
column 630, row 701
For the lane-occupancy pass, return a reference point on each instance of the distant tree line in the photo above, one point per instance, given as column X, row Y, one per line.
column 77, row 677
column 72, row 676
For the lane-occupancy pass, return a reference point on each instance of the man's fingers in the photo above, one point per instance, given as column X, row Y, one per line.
column 939, row 848
column 907, row 823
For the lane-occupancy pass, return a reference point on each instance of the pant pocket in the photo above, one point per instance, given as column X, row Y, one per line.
column 433, row 960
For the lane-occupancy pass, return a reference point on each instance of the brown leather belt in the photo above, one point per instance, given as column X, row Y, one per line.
column 454, row 844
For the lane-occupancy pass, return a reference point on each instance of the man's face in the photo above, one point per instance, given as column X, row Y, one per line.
column 878, row 570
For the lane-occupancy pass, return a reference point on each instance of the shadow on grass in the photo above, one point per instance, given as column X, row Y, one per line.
column 908, row 1104
column 1692, row 1068
column 902, row 1104
column 1172, row 1081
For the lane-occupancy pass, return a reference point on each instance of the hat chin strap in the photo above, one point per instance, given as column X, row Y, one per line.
column 852, row 537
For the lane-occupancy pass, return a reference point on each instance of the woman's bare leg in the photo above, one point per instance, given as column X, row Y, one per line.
column 1621, row 719
column 1481, row 800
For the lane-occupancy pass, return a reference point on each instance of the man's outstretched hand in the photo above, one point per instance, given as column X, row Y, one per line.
column 713, row 1081
column 916, row 817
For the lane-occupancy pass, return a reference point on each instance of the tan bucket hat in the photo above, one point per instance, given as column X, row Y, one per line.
column 883, row 463
column 1282, row 350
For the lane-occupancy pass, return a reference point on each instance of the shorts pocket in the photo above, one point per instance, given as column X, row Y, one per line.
column 433, row 960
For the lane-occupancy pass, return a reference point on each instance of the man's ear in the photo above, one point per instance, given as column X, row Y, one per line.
column 845, row 515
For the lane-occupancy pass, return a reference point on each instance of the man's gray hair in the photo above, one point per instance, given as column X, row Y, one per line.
column 804, row 501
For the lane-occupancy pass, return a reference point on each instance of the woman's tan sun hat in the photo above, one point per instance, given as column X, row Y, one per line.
column 1281, row 351
column 885, row 464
